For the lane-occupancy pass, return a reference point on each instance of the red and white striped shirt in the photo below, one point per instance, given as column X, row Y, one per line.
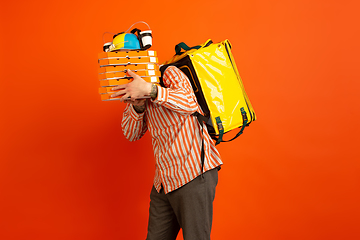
column 176, row 134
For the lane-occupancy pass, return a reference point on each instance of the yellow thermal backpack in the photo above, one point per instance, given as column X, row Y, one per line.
column 217, row 85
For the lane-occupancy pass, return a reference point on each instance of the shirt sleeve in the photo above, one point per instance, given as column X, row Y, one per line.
column 133, row 124
column 178, row 95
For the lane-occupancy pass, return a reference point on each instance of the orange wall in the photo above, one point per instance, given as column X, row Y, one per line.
column 66, row 171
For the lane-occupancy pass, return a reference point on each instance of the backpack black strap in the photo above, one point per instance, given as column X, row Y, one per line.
column 221, row 129
column 201, row 119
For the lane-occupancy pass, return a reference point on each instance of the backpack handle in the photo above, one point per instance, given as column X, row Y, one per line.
column 182, row 45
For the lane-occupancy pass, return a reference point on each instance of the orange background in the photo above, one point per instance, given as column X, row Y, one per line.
column 67, row 172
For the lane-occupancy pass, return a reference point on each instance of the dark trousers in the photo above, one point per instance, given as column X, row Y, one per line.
column 189, row 207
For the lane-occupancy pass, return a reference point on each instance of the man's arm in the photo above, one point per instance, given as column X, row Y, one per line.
column 178, row 95
column 154, row 92
column 133, row 124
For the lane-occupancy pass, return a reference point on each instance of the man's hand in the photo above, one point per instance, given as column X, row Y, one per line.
column 137, row 88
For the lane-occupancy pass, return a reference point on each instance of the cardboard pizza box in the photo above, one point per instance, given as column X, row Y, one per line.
column 127, row 53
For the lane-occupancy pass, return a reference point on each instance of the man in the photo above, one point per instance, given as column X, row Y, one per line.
column 184, row 190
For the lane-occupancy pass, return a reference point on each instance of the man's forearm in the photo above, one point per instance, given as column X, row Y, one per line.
column 154, row 92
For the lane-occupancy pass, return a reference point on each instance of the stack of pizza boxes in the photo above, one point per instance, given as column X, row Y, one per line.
column 114, row 65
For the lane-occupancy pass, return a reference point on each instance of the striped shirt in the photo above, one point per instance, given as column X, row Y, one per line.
column 176, row 134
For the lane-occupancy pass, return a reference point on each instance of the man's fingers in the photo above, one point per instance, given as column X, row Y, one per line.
column 133, row 98
column 118, row 93
column 118, row 87
column 125, row 97
column 131, row 73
